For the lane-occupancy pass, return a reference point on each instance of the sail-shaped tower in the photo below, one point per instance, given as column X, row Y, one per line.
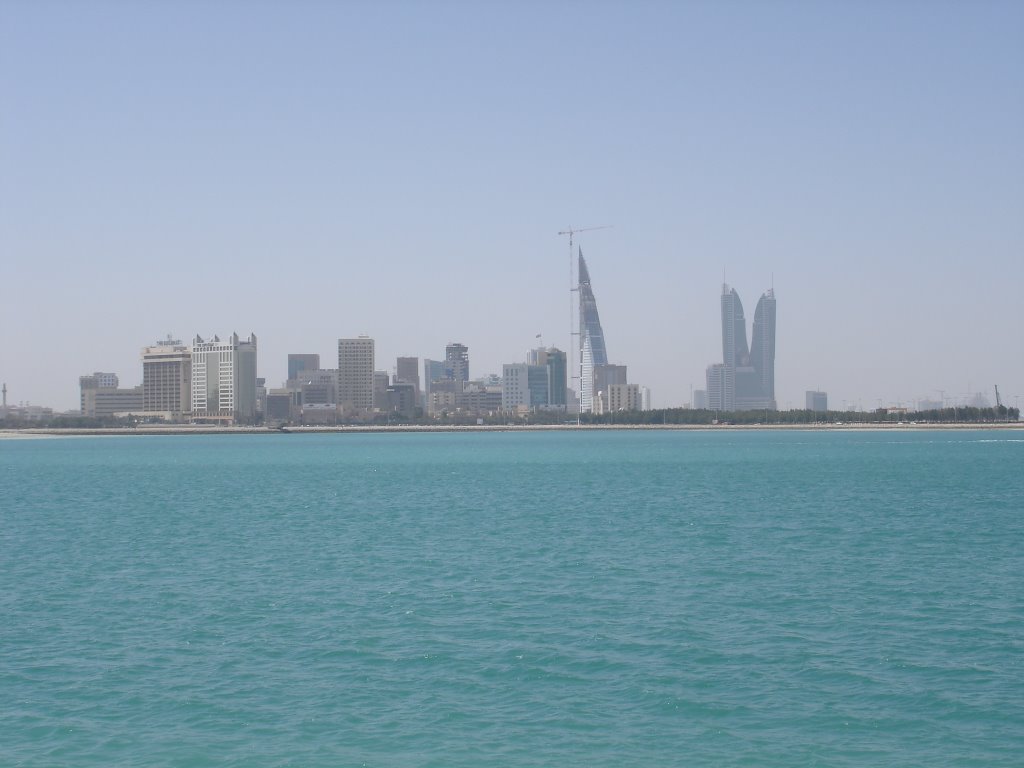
column 592, row 348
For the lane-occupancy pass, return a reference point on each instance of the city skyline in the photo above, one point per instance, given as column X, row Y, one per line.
column 869, row 158
column 744, row 381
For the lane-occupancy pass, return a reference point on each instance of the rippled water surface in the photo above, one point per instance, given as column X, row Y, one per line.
column 540, row 599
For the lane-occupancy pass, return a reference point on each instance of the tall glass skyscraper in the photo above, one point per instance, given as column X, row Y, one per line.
column 746, row 378
column 592, row 349
column 762, row 345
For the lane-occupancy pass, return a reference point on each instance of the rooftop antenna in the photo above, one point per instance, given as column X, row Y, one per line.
column 574, row 288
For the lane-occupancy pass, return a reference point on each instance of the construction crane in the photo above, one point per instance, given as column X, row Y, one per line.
column 571, row 232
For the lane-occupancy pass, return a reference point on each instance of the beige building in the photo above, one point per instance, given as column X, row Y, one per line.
column 104, row 403
column 93, row 381
column 167, row 380
column 618, row 397
column 355, row 374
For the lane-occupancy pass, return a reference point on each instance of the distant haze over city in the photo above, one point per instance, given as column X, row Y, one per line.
column 310, row 171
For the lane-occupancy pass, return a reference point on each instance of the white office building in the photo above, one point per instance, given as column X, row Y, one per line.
column 224, row 380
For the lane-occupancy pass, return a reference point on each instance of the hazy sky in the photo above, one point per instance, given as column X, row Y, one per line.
column 310, row 170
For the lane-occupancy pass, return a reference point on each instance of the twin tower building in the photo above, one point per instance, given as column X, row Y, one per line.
column 744, row 380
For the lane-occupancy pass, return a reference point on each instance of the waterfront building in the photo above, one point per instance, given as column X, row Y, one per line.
column 407, row 371
column 381, row 382
column 645, row 398
column 441, row 402
column 700, row 399
column 456, row 364
column 108, row 402
column 586, row 376
column 400, row 399
column 302, row 362
column 355, row 373
column 319, row 415
column 317, row 387
column 522, row 385
column 224, row 380
column 433, row 371
column 167, row 380
column 762, row 348
column 554, row 360
column 558, row 372
column 593, row 352
column 25, row 412
column 720, row 387
column 92, row 381
column 261, row 397
column 608, row 374
column 620, row 397
column 282, row 405
column 527, row 387
column 481, row 396
column 817, row 401
column 748, row 379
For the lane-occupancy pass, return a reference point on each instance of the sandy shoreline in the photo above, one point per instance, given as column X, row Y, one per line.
column 179, row 429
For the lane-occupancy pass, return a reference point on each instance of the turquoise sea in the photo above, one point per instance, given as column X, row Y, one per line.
column 634, row 598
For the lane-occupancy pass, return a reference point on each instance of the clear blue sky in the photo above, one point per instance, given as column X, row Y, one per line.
column 310, row 170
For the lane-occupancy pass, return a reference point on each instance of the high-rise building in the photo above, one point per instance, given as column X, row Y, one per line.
column 407, row 371
column 554, row 360
column 558, row 372
column 592, row 347
column 608, row 374
column 400, row 398
column 224, row 380
column 433, row 370
column 381, row 382
column 762, row 347
column 302, row 362
column 721, row 389
column 817, row 401
column 317, row 387
column 748, row 381
column 587, row 391
column 167, row 379
column 355, row 374
column 433, row 377
column 524, row 387
column 456, row 363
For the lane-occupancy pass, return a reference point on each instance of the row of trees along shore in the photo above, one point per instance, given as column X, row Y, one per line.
column 881, row 416
column 682, row 416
